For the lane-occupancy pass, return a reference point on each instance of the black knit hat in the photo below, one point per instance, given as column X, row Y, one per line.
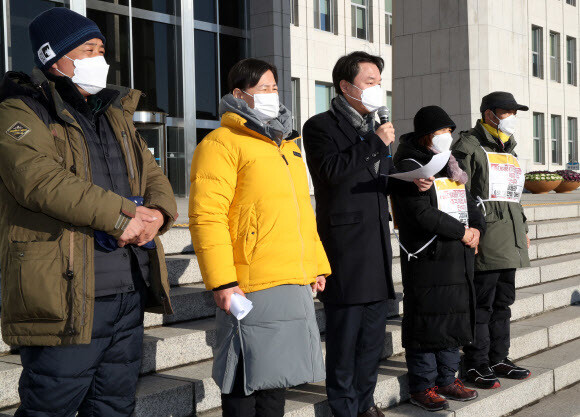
column 58, row 31
column 430, row 119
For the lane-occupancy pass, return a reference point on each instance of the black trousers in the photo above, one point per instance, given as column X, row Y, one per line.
column 265, row 403
column 495, row 292
column 98, row 379
column 355, row 340
column 431, row 368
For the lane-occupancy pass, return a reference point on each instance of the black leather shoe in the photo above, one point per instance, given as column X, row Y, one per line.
column 483, row 377
column 372, row 412
column 507, row 369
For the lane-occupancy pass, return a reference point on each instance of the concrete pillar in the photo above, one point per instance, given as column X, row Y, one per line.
column 270, row 40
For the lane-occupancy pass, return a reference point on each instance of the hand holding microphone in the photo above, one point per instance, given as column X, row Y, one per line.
column 386, row 130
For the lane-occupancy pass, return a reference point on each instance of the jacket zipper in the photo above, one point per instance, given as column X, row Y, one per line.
column 84, row 303
column 70, row 276
column 129, row 159
column 297, row 212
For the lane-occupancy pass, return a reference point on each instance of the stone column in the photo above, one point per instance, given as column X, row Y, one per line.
column 270, row 39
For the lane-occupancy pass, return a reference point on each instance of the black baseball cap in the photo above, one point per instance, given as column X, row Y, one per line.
column 501, row 100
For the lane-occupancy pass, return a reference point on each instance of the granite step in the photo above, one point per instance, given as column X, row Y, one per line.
column 563, row 403
column 528, row 337
column 544, row 221
column 184, row 269
column 550, row 370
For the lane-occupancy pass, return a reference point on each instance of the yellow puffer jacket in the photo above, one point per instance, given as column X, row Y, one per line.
column 250, row 214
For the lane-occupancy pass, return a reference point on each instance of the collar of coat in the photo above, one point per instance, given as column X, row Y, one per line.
column 235, row 121
column 39, row 87
column 92, row 107
column 495, row 132
column 487, row 139
column 235, row 113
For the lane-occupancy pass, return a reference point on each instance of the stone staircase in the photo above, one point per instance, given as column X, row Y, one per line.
column 176, row 370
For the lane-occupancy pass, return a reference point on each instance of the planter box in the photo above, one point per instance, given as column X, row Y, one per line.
column 541, row 187
column 567, row 186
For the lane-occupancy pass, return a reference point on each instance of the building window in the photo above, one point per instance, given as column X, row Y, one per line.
column 572, row 139
column 232, row 13
column 571, row 2
column 21, row 14
column 2, row 46
column 157, row 57
column 360, row 18
column 556, row 141
column 205, row 11
column 294, row 12
column 538, row 138
column 555, row 56
column 206, row 78
column 537, row 52
column 323, row 11
column 389, row 22
column 115, row 27
column 571, row 60
column 323, row 93
column 296, row 104
column 390, row 104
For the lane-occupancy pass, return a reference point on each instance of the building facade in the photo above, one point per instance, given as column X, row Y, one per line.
column 453, row 52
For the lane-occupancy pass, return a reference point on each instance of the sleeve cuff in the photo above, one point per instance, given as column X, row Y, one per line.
column 226, row 286
column 127, row 212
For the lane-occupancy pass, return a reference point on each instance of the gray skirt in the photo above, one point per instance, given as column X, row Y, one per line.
column 278, row 340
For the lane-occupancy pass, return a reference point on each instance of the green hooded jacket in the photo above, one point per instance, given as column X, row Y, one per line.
column 504, row 245
column 49, row 208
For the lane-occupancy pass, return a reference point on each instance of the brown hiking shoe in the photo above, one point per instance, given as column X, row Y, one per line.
column 429, row 400
column 374, row 411
column 457, row 391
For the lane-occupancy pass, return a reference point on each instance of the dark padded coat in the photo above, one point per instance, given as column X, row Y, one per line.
column 438, row 303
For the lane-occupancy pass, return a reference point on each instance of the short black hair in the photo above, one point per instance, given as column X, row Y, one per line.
column 347, row 67
column 247, row 73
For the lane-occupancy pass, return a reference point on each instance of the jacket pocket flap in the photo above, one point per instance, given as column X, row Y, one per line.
column 493, row 216
column 346, row 218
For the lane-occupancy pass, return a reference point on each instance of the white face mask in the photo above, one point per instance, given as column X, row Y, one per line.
column 442, row 142
column 267, row 105
column 90, row 73
column 371, row 97
column 507, row 125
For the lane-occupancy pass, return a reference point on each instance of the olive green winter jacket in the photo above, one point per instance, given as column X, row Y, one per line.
column 49, row 208
column 504, row 245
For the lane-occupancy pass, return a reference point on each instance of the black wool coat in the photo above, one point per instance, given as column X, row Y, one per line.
column 352, row 210
column 438, row 301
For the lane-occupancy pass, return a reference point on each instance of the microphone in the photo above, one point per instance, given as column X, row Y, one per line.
column 383, row 113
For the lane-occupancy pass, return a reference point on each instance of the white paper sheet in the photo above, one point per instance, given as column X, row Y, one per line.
column 240, row 306
column 435, row 165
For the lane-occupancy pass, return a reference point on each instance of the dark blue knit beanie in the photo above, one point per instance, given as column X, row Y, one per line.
column 58, row 31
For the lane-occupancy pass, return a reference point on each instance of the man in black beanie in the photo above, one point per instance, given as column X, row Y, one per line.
column 82, row 202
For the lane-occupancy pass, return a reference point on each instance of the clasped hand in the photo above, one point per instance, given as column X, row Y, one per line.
column 142, row 228
column 471, row 237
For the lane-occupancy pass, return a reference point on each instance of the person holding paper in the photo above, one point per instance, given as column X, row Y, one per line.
column 254, row 233
column 496, row 179
column 439, row 231
column 349, row 160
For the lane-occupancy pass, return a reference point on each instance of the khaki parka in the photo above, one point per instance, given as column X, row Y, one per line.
column 49, row 208
column 504, row 245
